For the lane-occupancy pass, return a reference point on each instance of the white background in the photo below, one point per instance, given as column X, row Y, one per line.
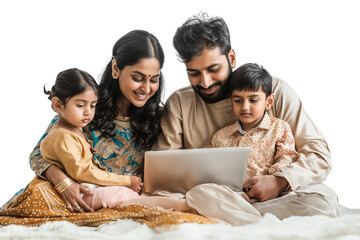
column 312, row 45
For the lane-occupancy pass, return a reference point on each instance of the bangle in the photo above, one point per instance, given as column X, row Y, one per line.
column 63, row 185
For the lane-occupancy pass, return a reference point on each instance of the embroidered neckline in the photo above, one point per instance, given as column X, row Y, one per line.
column 121, row 118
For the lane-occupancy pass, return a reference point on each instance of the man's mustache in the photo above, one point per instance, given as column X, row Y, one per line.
column 199, row 87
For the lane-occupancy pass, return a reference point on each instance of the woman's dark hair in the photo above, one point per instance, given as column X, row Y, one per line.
column 70, row 83
column 145, row 121
column 200, row 31
column 250, row 77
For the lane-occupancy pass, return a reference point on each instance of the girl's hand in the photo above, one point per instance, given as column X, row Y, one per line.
column 135, row 184
column 71, row 195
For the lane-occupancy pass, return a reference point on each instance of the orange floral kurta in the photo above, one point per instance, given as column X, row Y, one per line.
column 272, row 146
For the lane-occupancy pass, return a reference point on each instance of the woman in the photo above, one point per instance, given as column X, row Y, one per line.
column 127, row 115
column 126, row 124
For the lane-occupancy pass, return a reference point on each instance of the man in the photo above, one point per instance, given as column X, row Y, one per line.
column 193, row 114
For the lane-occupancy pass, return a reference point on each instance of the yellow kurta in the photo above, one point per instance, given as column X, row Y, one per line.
column 73, row 153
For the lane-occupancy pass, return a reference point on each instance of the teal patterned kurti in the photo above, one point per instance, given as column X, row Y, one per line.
column 118, row 154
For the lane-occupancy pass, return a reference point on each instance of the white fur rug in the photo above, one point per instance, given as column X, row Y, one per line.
column 345, row 227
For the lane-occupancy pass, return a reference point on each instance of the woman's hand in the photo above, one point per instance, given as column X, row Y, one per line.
column 71, row 195
column 136, row 184
column 73, row 200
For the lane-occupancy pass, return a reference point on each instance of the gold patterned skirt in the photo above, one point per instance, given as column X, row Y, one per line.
column 40, row 203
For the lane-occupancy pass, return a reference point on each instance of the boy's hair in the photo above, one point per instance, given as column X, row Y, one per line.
column 198, row 32
column 250, row 77
column 70, row 83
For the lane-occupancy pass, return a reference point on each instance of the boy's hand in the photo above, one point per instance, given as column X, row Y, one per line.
column 264, row 188
column 135, row 184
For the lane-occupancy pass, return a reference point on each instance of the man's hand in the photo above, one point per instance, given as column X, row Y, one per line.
column 265, row 187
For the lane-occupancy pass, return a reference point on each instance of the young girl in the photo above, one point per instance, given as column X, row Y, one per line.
column 74, row 97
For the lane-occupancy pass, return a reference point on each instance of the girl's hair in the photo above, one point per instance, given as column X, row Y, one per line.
column 145, row 121
column 70, row 83
column 251, row 77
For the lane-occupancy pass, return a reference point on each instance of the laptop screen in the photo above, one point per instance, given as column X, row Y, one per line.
column 180, row 170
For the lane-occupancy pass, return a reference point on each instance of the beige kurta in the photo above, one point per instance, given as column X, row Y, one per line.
column 73, row 153
column 189, row 122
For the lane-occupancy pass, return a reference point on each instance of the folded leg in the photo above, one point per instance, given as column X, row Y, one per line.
column 221, row 204
column 313, row 199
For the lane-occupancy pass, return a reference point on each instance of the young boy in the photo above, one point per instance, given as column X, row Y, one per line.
column 270, row 139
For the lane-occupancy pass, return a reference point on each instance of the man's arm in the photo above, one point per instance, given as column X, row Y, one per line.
column 171, row 136
column 313, row 163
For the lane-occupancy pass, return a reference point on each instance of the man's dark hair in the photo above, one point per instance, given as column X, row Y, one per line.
column 250, row 77
column 198, row 32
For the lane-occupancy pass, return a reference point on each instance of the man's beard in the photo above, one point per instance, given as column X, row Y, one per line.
column 221, row 94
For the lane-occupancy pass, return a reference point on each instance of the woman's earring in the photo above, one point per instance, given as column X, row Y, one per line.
column 113, row 75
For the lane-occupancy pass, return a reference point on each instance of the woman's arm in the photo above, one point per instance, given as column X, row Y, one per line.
column 37, row 162
column 73, row 153
column 71, row 196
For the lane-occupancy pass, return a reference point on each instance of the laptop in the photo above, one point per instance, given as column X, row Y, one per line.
column 178, row 171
